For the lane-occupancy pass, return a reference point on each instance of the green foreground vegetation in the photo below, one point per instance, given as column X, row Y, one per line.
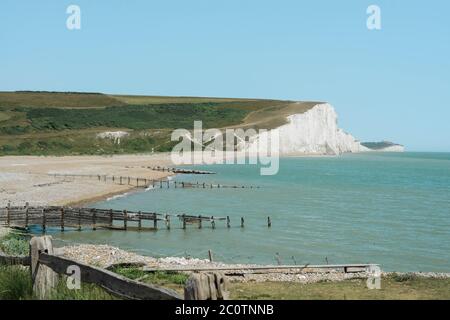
column 15, row 284
column 57, row 123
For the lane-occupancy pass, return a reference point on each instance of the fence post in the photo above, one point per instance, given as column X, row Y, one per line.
column 155, row 221
column 206, row 286
column 26, row 215
column 242, row 222
column 125, row 217
column 62, row 219
column 199, row 221
column 139, row 220
column 167, row 222
column 228, row 221
column 44, row 278
column 8, row 218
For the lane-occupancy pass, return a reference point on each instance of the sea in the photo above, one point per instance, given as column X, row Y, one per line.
column 392, row 209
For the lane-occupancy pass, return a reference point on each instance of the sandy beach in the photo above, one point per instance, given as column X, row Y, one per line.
column 30, row 178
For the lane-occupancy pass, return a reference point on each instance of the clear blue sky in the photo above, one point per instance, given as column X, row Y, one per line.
column 390, row 84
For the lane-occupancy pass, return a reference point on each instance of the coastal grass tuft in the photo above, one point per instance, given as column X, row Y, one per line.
column 172, row 280
column 15, row 243
column 15, row 283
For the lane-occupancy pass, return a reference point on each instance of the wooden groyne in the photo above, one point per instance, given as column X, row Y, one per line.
column 140, row 182
column 180, row 170
column 94, row 218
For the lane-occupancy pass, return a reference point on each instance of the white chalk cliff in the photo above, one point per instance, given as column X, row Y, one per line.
column 314, row 132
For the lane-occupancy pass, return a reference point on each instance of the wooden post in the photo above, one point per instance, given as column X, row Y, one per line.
column 44, row 221
column 137, row 182
column 111, row 217
column 167, row 222
column 160, row 184
column 213, row 222
column 45, row 280
column 120, row 180
column 94, row 220
column 125, row 217
column 62, row 219
column 203, row 185
column 99, row 178
column 8, row 214
column 26, row 215
column 153, row 183
column 139, row 220
column 228, row 221
column 155, row 221
column 129, row 181
column 269, row 223
column 175, row 184
column 182, row 184
column 242, row 222
column 199, row 221
column 168, row 182
column 79, row 219
column 184, row 221
column 113, row 179
column 210, row 255
column 206, row 286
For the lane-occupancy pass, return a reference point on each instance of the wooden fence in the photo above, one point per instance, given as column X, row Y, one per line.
column 94, row 218
column 46, row 269
column 140, row 182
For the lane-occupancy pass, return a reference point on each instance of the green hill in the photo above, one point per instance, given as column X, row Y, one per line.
column 66, row 123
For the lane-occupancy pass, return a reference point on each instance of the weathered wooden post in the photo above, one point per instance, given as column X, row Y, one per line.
column 26, row 215
column 120, row 180
column 160, row 184
column 206, row 286
column 175, row 184
column 62, row 219
column 269, row 222
column 153, row 183
column 210, row 255
column 129, row 181
column 228, row 221
column 184, row 221
column 168, row 183
column 44, row 221
column 8, row 214
column 139, row 220
column 111, row 217
column 242, row 222
column 155, row 221
column 182, row 184
column 44, row 278
column 79, row 219
column 94, row 219
column 137, row 182
column 204, row 185
column 213, row 222
column 113, row 178
column 167, row 222
column 199, row 221
column 125, row 217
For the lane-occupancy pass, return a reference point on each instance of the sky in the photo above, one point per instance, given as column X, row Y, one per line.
column 388, row 84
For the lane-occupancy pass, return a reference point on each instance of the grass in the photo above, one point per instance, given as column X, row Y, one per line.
column 15, row 243
column 66, row 123
column 392, row 288
column 172, row 280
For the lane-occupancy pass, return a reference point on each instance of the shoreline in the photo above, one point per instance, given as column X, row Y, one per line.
column 30, row 178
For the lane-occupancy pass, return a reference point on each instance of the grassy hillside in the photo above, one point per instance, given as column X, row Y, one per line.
column 59, row 123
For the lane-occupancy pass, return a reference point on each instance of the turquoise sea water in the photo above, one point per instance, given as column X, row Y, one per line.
column 392, row 209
